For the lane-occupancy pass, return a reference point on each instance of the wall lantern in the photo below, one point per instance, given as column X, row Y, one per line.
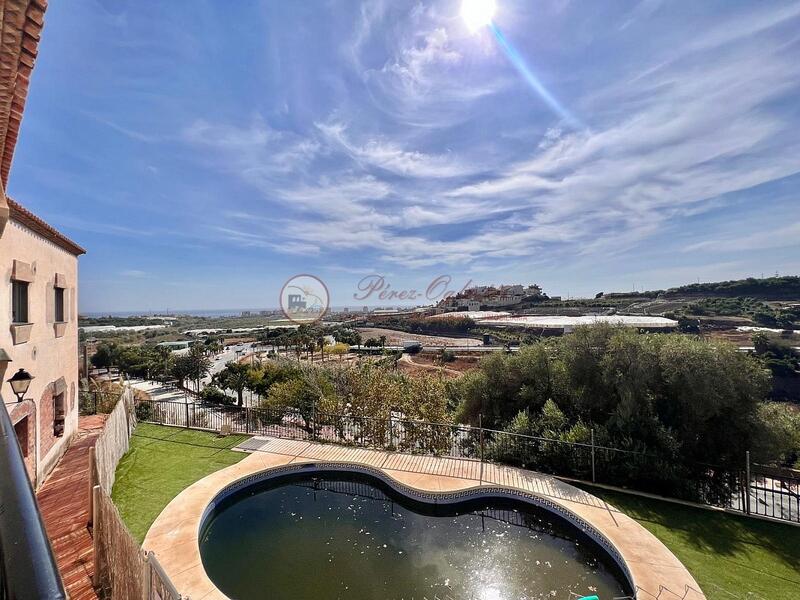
column 20, row 383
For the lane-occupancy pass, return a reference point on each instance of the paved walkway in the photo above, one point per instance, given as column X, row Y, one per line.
column 657, row 574
column 159, row 392
column 64, row 504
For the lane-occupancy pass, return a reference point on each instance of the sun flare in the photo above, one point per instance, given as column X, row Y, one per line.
column 477, row 13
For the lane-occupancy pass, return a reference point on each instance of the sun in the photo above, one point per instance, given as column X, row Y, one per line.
column 477, row 13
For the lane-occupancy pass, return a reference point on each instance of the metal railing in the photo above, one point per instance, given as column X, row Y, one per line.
column 772, row 493
column 92, row 402
column 27, row 565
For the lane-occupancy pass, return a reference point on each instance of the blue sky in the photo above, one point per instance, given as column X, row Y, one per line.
column 205, row 152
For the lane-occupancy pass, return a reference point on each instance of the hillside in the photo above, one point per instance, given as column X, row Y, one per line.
column 769, row 288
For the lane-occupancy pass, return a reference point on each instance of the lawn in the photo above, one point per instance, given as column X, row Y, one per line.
column 161, row 463
column 730, row 556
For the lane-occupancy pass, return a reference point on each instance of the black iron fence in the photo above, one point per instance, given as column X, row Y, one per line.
column 749, row 489
column 92, row 402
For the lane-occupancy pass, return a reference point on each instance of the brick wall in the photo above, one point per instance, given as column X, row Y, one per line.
column 18, row 412
column 46, row 438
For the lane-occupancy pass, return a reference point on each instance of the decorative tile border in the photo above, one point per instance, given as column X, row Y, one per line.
column 457, row 497
column 651, row 570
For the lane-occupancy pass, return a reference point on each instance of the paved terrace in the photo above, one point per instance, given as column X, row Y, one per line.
column 656, row 572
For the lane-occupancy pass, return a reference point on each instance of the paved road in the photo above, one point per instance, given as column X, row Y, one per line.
column 233, row 353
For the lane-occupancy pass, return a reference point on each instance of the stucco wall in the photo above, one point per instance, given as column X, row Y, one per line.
column 44, row 355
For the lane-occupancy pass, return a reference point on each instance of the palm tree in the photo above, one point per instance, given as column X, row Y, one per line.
column 235, row 376
column 199, row 365
column 321, row 342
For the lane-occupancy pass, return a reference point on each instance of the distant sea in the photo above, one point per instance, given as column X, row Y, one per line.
column 221, row 312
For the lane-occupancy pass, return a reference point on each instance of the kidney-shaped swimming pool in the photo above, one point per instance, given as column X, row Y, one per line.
column 329, row 534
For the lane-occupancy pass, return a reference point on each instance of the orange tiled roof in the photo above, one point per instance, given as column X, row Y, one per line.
column 22, row 215
column 21, row 24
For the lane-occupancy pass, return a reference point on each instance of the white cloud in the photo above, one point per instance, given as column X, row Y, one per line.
column 781, row 237
column 386, row 154
column 684, row 135
column 668, row 140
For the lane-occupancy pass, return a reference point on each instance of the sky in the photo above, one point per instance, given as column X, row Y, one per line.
column 204, row 152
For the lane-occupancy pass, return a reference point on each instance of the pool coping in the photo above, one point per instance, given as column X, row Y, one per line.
column 653, row 571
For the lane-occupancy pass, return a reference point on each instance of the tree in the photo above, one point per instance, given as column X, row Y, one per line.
column 321, row 344
column 339, row 349
column 105, row 356
column 211, row 394
column 235, row 376
column 782, row 440
column 213, row 345
column 181, row 369
column 297, row 393
column 675, row 397
column 192, row 366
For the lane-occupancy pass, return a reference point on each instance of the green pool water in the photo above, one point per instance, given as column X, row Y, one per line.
column 348, row 535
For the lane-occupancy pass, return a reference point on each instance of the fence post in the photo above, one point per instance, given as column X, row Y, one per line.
column 92, row 482
column 247, row 419
column 147, row 584
column 747, row 482
column 480, row 428
column 96, row 535
column 593, row 477
column 186, row 405
column 314, row 420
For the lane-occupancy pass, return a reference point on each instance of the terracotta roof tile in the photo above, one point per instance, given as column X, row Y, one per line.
column 22, row 215
column 21, row 24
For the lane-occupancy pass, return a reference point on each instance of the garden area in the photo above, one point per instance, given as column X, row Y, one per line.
column 161, row 462
column 730, row 556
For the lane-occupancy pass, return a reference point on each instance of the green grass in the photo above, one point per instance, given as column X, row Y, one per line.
column 161, row 463
column 730, row 556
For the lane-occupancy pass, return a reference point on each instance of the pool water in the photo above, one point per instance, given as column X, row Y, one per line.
column 349, row 535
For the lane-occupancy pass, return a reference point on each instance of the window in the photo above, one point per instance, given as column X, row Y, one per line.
column 60, row 305
column 21, row 429
column 19, row 301
column 58, row 415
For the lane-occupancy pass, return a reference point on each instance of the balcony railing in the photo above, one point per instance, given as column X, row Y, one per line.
column 27, row 566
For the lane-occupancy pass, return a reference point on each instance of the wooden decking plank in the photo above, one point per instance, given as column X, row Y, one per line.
column 64, row 504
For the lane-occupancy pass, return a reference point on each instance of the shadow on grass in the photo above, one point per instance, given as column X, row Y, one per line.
column 189, row 437
column 723, row 534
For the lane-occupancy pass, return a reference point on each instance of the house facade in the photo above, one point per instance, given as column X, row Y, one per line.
column 38, row 276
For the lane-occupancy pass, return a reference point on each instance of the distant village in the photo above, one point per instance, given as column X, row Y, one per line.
column 489, row 296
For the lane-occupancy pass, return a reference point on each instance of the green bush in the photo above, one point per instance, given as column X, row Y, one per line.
column 144, row 411
column 680, row 400
column 211, row 394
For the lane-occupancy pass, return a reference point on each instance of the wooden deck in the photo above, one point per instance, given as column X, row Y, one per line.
column 64, row 504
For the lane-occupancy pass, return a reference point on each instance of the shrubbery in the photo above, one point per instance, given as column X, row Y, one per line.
column 681, row 400
column 211, row 394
